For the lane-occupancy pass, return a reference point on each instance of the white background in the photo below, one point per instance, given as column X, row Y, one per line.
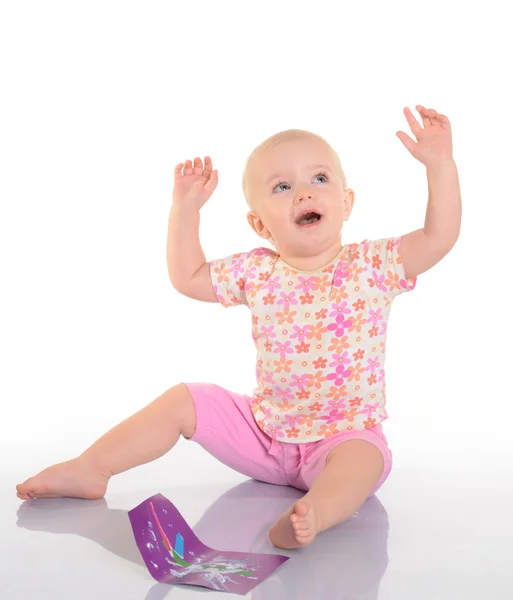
column 99, row 102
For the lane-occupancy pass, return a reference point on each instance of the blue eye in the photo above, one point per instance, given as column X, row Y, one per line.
column 318, row 175
column 322, row 175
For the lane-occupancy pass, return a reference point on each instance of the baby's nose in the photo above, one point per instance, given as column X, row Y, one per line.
column 304, row 196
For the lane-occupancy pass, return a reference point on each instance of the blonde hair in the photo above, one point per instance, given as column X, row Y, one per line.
column 278, row 138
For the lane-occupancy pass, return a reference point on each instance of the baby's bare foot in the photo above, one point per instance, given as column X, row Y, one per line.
column 77, row 478
column 297, row 527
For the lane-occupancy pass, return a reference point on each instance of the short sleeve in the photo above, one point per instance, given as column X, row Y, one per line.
column 384, row 267
column 236, row 277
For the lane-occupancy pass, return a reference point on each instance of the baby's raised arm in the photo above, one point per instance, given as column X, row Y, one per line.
column 187, row 266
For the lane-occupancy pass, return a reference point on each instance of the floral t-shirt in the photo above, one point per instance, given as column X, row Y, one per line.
column 320, row 335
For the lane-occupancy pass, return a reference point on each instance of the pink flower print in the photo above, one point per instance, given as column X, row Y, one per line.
column 274, row 432
column 221, row 298
column 284, row 394
column 237, row 267
column 339, row 309
column 340, row 374
column 251, row 273
column 283, row 349
column 337, row 404
column 268, row 379
column 381, row 377
column 307, row 284
column 377, row 280
column 287, row 299
column 267, row 412
column 333, row 417
column 375, row 316
column 340, row 274
column 250, row 289
column 373, row 364
column 383, row 328
column 298, row 382
column 272, row 284
column 340, row 325
column 292, row 420
column 300, row 334
column 257, row 256
column 340, row 359
column 257, row 402
column 267, row 332
column 368, row 409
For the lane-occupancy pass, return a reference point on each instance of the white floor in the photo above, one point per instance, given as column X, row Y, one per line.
column 426, row 535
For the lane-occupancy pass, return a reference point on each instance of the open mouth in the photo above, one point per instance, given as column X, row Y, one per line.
column 308, row 218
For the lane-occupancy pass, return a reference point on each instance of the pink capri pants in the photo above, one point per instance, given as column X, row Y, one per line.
column 227, row 429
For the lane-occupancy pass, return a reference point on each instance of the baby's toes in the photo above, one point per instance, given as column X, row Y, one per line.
column 301, row 510
column 302, row 525
column 304, row 536
column 25, row 489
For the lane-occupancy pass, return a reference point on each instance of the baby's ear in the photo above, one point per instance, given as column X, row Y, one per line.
column 257, row 225
column 348, row 203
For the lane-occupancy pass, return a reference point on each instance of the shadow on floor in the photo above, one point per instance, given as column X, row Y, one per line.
column 348, row 561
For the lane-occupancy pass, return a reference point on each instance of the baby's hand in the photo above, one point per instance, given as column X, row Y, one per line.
column 196, row 185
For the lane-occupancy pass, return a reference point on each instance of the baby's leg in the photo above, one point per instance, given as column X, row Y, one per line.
column 351, row 473
column 143, row 437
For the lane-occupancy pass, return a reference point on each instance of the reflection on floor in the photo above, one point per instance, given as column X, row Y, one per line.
column 347, row 561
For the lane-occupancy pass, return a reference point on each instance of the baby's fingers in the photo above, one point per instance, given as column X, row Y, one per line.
column 178, row 170
column 208, row 166
column 198, row 166
column 211, row 184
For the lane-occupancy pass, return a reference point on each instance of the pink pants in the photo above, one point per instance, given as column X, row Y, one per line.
column 227, row 429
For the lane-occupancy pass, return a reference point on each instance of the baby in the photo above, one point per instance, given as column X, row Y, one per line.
column 319, row 322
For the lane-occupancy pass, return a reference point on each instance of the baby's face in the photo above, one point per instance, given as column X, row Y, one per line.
column 297, row 194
